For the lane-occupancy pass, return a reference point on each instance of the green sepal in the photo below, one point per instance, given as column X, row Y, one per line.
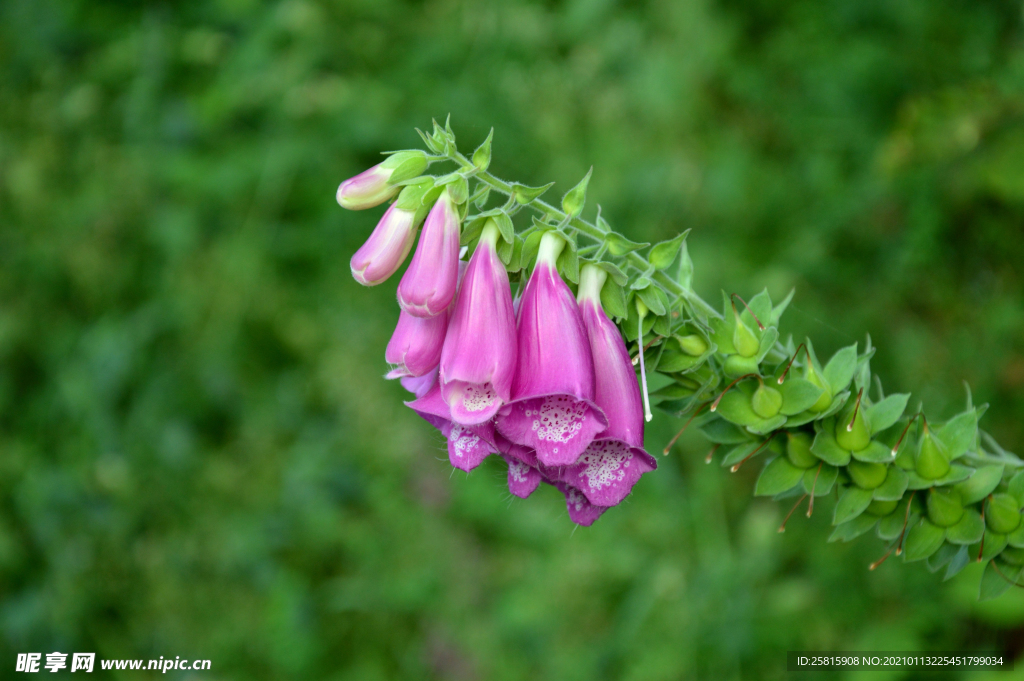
column 777, row 477
column 411, row 197
column 525, row 194
column 766, row 343
column 852, row 529
column 515, row 262
column 663, row 254
column 1016, row 538
column 735, row 407
column 576, row 198
column 760, row 305
column 957, row 473
column 891, row 526
column 482, row 155
column 481, row 196
column 411, row 164
column 826, row 478
column 1016, row 486
column 959, row 433
column 797, row 395
column 740, row 452
column 882, row 415
column 458, row 189
column 568, row 262
column 530, row 248
column 766, row 426
column 923, row 539
column 613, row 299
column 655, row 299
column 875, row 452
column 619, row 245
column 839, row 370
column 993, row 545
column 958, row 563
column 941, row 558
column 826, row 448
column 614, row 272
column 629, row 327
column 505, row 226
column 777, row 311
column 979, row 485
column 969, row 530
column 852, row 502
column 722, row 432
column 997, row 579
column 894, row 486
column 684, row 275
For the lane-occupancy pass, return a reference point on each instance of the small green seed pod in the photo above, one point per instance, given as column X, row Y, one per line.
column 932, row 457
column 881, row 508
column 743, row 339
column 738, row 365
column 945, row 508
column 867, row 475
column 1002, row 513
column 825, row 400
column 798, row 450
column 766, row 401
column 693, row 345
column 853, row 432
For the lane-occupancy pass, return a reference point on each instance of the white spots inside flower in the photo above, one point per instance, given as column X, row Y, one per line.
column 478, row 397
column 559, row 418
column 576, row 498
column 463, row 439
column 606, row 462
column 518, row 471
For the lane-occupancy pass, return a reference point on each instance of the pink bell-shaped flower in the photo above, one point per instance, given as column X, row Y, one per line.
column 415, row 346
column 428, row 285
column 372, row 187
column 615, row 460
column 468, row 446
column 552, row 409
column 479, row 357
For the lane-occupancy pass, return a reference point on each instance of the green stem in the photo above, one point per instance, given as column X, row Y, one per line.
column 596, row 232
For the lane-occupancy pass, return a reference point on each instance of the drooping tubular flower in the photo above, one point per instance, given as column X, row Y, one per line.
column 552, row 409
column 373, row 187
column 386, row 249
column 615, row 460
column 581, row 511
column 428, row 286
column 415, row 346
column 468, row 446
column 479, row 357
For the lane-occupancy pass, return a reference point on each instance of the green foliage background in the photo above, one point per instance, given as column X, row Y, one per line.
column 198, row 456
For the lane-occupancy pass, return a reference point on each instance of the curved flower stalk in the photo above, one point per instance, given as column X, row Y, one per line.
column 941, row 492
column 479, row 357
column 552, row 409
column 428, row 286
column 386, row 249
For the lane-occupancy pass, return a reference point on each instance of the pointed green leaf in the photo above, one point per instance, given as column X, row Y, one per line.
column 766, row 426
column 619, row 245
column 997, row 579
column 798, row 395
column 505, row 226
column 923, row 540
column 827, row 449
column 613, row 272
column 852, row 502
column 778, row 476
column 958, row 563
column 685, row 273
column 722, row 432
column 525, row 194
column 981, row 484
column 780, row 308
column 664, row 254
column 852, row 529
column 959, row 433
column 613, row 300
column 655, row 299
column 767, row 342
column 839, row 370
column 887, row 412
column 875, row 452
column 993, row 544
column 969, row 530
column 891, row 526
column 942, row 557
column 1016, row 538
column 820, row 479
column 894, row 486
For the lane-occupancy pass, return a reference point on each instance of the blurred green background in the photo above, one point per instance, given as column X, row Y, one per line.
column 198, row 456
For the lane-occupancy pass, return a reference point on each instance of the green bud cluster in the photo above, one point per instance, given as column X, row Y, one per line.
column 944, row 493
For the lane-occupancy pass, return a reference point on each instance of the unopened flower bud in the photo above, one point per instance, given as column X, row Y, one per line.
column 428, row 285
column 373, row 187
column 693, row 345
column 386, row 249
column 743, row 339
column 738, row 365
column 881, row 509
column 825, row 399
